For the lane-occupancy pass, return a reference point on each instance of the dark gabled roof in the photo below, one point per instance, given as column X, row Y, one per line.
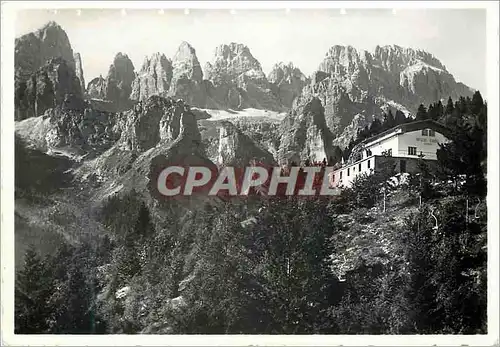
column 412, row 126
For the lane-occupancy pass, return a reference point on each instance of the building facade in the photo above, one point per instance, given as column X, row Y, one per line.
column 405, row 143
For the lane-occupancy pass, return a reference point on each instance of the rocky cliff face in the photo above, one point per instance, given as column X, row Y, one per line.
column 48, row 87
column 79, row 71
column 119, row 80
column 45, row 71
column 187, row 76
column 226, row 144
column 73, row 127
column 156, row 133
column 97, row 88
column 392, row 73
column 236, row 80
column 348, row 91
column 305, row 135
column 33, row 50
column 357, row 86
column 153, row 79
column 151, row 121
column 287, row 82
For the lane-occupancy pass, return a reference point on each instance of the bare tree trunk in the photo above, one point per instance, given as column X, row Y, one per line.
column 466, row 211
column 384, row 200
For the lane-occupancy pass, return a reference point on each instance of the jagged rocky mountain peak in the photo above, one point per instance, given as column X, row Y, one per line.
column 232, row 59
column 390, row 55
column 122, row 63
column 46, row 88
column 186, row 64
column 340, row 50
column 285, row 72
column 155, row 57
column 121, row 74
column 34, row 49
column 156, row 119
column 154, row 78
column 79, row 70
column 185, row 52
column 231, row 49
column 344, row 60
column 96, row 87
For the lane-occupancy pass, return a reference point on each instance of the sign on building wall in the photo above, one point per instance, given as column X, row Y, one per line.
column 426, row 141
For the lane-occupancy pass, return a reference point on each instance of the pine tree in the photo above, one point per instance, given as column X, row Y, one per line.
column 418, row 245
column 363, row 134
column 421, row 113
column 294, row 266
column 446, row 288
column 477, row 103
column 399, row 118
column 375, row 127
column 336, row 157
column 75, row 302
column 463, row 156
column 435, row 111
column 389, row 121
column 449, row 107
column 461, row 105
column 431, row 112
column 365, row 190
column 33, row 290
column 347, row 151
column 439, row 110
column 420, row 183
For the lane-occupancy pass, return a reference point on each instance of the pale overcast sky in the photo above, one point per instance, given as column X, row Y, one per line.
column 457, row 37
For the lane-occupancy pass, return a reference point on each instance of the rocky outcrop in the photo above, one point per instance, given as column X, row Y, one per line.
column 421, row 81
column 356, row 87
column 305, row 135
column 391, row 72
column 287, row 82
column 79, row 71
column 153, row 79
column 153, row 120
column 97, row 88
column 358, row 123
column 121, row 75
column 74, row 128
column 34, row 50
column 45, row 71
column 263, row 132
column 236, row 80
column 230, row 61
column 45, row 89
column 187, row 77
column 158, row 132
column 230, row 146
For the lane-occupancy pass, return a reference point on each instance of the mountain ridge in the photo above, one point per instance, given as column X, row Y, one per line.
column 353, row 87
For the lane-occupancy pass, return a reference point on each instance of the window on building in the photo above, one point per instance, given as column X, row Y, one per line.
column 359, row 167
column 412, row 150
column 340, row 174
column 368, row 163
column 368, row 152
column 389, row 152
column 348, row 172
column 428, row 132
